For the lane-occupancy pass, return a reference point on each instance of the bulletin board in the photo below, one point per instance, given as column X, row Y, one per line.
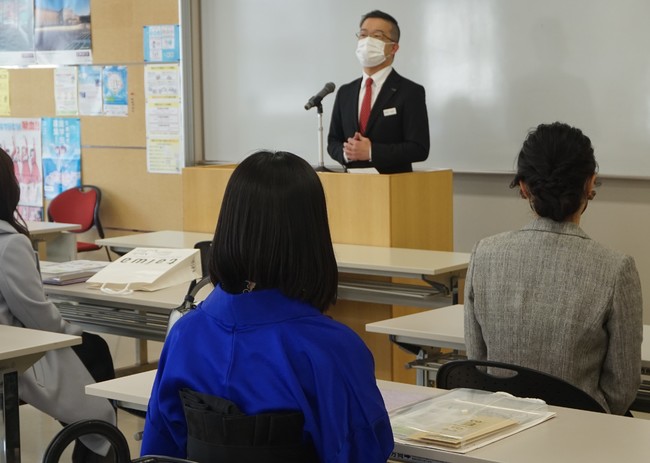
column 114, row 148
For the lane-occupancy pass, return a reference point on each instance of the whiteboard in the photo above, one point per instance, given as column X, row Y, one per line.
column 492, row 70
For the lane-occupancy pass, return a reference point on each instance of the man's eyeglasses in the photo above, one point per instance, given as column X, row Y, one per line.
column 379, row 35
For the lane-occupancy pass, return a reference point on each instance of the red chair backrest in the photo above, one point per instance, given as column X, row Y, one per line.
column 77, row 205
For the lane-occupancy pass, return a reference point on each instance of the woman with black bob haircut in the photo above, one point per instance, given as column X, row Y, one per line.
column 547, row 297
column 260, row 339
column 55, row 384
column 273, row 231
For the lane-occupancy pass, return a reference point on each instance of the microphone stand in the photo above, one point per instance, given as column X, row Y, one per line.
column 321, row 163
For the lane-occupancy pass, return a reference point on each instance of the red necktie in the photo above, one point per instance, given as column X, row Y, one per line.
column 365, row 106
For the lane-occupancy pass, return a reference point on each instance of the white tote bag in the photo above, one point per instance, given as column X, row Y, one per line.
column 148, row 269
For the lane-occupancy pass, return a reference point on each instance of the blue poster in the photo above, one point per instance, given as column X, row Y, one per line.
column 115, row 89
column 61, row 155
column 161, row 44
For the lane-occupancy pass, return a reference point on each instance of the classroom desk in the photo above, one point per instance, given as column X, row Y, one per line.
column 439, row 270
column 20, row 348
column 58, row 246
column 144, row 314
column 573, row 435
column 443, row 328
column 159, row 239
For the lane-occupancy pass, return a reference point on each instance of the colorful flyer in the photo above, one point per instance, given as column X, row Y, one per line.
column 115, row 89
column 21, row 139
column 161, row 43
column 61, row 155
column 62, row 32
column 5, row 101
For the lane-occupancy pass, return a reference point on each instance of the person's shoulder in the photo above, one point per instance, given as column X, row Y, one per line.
column 398, row 78
column 350, row 85
column 497, row 240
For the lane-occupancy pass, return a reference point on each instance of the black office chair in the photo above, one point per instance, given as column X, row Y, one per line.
column 520, row 382
column 117, row 440
column 204, row 248
column 218, row 431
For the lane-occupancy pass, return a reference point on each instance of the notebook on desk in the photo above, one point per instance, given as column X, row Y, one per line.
column 67, row 273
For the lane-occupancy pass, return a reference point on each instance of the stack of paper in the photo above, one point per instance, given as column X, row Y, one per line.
column 466, row 419
column 66, row 273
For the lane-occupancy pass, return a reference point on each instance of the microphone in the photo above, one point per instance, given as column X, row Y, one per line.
column 316, row 99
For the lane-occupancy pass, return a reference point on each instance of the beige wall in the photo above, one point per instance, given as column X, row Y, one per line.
column 619, row 217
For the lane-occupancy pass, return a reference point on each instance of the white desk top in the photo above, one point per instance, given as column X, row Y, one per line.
column 574, row 435
column 20, row 342
column 408, row 263
column 440, row 327
column 163, row 299
column 159, row 239
column 351, row 258
column 42, row 228
column 444, row 328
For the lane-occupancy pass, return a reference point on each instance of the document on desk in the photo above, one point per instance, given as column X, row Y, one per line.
column 65, row 273
column 465, row 419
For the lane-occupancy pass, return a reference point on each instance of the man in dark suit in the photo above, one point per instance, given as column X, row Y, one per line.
column 379, row 120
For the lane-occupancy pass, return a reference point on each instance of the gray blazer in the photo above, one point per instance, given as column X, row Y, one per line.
column 549, row 298
column 55, row 384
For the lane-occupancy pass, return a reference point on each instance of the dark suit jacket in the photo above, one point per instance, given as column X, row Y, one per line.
column 398, row 139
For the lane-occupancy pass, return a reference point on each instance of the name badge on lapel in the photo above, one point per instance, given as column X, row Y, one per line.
column 390, row 112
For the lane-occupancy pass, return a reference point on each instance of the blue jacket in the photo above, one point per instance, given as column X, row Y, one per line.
column 266, row 352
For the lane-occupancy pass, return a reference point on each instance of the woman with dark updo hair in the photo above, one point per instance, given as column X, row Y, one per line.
column 547, row 297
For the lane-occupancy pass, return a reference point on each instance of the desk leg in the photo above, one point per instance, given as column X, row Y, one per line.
column 9, row 415
column 141, row 352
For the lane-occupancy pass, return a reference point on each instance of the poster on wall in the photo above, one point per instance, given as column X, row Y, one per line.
column 161, row 43
column 164, row 119
column 21, row 139
column 62, row 31
column 17, row 33
column 90, row 90
column 115, row 89
column 61, row 155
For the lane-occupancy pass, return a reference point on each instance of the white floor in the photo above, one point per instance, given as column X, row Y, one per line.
column 38, row 429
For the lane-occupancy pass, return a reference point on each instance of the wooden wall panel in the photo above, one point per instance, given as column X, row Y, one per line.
column 114, row 148
column 117, row 27
column 128, row 131
column 132, row 198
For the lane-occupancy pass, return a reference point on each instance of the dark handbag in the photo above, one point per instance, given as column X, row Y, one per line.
column 188, row 303
column 218, row 431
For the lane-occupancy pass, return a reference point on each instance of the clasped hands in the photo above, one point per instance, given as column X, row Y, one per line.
column 357, row 148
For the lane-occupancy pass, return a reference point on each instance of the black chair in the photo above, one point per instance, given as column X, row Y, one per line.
column 519, row 381
column 117, row 440
column 204, row 250
column 217, row 431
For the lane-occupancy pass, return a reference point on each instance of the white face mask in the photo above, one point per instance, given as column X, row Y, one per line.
column 370, row 52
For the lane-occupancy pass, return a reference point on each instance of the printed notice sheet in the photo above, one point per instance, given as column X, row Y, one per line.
column 65, row 91
column 164, row 119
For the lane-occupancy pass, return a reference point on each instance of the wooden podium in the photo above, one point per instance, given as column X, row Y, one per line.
column 412, row 210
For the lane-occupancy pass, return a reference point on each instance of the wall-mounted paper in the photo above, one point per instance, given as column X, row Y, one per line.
column 161, row 43
column 115, row 91
column 61, row 155
column 65, row 91
column 90, row 90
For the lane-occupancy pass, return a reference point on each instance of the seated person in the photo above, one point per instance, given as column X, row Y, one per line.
column 547, row 297
column 260, row 339
column 55, row 384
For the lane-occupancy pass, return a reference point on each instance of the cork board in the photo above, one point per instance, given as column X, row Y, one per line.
column 114, row 148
